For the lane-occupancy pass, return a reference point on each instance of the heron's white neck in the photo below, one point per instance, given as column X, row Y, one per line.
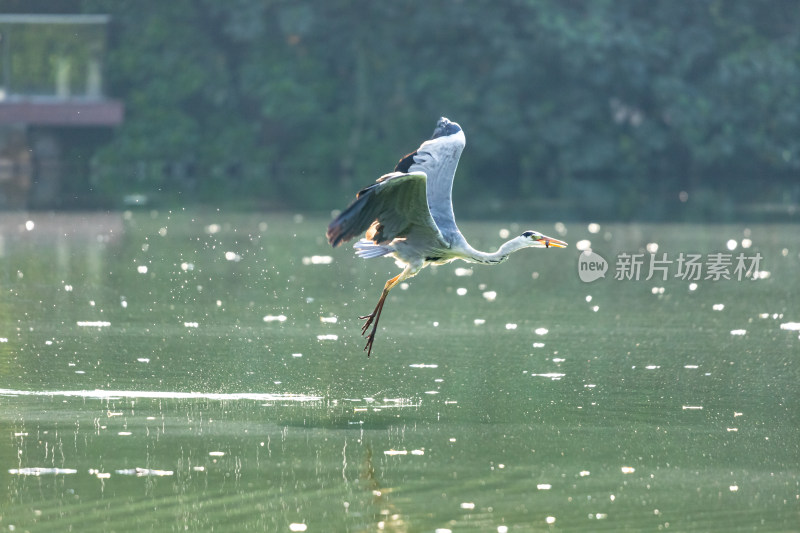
column 502, row 253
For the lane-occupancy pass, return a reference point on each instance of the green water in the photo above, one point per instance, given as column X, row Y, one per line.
column 184, row 372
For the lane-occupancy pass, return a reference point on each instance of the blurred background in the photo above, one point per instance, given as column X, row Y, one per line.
column 621, row 110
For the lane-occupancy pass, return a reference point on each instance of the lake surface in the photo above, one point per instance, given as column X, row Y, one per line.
column 203, row 371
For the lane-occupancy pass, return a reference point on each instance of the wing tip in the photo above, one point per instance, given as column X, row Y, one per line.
column 333, row 236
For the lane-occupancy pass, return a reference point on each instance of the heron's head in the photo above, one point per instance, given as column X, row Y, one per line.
column 444, row 128
column 538, row 240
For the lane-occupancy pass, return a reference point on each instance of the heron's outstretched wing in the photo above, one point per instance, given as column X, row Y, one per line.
column 438, row 159
column 394, row 206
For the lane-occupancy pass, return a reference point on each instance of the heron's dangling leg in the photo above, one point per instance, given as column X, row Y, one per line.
column 372, row 318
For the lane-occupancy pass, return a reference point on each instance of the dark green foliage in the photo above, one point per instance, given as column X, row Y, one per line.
column 577, row 108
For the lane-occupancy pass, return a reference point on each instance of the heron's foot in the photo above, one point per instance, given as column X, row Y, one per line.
column 372, row 321
column 371, row 336
column 370, row 340
column 369, row 318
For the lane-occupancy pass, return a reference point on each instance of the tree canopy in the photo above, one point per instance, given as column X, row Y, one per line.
column 606, row 108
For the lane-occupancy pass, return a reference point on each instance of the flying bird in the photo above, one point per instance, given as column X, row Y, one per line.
column 408, row 215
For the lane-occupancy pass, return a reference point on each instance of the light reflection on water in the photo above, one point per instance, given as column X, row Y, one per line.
column 231, row 392
column 117, row 394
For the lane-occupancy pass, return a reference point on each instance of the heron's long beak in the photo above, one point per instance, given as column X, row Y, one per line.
column 549, row 241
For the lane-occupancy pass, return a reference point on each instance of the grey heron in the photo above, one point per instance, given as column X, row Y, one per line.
column 408, row 215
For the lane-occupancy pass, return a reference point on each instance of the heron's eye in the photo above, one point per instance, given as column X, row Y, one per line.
column 529, row 234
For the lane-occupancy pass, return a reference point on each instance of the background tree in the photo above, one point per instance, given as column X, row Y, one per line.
column 577, row 108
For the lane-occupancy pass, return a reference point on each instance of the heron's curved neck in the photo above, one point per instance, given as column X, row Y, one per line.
column 494, row 258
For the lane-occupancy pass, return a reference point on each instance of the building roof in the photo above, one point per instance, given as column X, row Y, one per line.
column 62, row 112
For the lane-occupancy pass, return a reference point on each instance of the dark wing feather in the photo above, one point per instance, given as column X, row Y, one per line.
column 404, row 164
column 394, row 206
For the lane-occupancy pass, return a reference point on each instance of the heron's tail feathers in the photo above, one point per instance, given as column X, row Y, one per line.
column 368, row 249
